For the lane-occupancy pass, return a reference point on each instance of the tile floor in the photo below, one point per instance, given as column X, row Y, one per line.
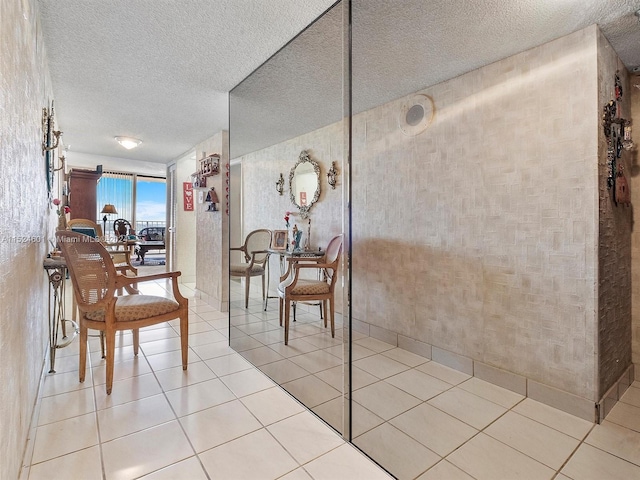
column 422, row 420
column 223, row 418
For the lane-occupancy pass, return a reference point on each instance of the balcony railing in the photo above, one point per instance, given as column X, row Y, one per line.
column 140, row 224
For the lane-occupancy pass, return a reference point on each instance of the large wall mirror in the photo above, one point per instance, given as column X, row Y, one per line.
column 286, row 119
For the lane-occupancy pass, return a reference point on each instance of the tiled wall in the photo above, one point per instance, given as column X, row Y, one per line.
column 27, row 224
column 212, row 242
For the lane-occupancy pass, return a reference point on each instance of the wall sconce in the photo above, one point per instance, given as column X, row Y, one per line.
column 62, row 159
column 280, row 185
column 331, row 175
column 47, row 130
column 212, row 199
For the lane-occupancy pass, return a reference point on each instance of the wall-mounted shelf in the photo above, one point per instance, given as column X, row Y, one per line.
column 209, row 165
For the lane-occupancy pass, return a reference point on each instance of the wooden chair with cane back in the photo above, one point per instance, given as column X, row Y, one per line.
column 95, row 283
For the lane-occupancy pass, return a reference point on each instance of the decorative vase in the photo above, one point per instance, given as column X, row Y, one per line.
column 62, row 222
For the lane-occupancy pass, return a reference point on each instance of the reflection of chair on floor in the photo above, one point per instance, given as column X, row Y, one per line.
column 95, row 283
column 256, row 256
column 296, row 289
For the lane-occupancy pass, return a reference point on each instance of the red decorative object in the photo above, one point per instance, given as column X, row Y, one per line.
column 187, row 190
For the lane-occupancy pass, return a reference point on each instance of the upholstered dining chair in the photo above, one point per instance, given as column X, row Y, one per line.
column 256, row 256
column 296, row 289
column 95, row 282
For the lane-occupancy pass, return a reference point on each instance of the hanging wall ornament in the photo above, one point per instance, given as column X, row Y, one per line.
column 622, row 193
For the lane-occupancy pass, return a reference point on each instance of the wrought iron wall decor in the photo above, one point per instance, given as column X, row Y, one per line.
column 331, row 175
column 617, row 131
column 50, row 142
column 280, row 184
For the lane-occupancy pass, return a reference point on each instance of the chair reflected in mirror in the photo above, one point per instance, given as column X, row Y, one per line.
column 256, row 255
column 293, row 288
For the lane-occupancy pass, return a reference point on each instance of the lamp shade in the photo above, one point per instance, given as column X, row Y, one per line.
column 108, row 208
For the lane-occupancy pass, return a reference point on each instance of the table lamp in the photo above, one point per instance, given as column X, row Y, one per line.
column 108, row 209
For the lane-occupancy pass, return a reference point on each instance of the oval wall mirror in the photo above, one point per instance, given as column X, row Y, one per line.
column 304, row 183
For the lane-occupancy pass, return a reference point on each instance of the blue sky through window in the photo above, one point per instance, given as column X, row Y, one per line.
column 152, row 200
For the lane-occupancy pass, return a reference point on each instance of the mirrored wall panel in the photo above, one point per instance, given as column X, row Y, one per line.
column 287, row 281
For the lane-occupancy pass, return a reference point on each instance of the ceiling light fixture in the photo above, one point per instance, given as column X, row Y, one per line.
column 128, row 142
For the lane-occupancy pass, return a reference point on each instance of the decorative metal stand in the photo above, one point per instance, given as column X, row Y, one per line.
column 56, row 271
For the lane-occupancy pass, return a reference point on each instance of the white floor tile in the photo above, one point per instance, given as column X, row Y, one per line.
column 272, row 405
column 469, row 408
column 84, row 464
column 66, row 405
column 190, row 469
column 616, row 440
column 176, row 377
column 144, row 452
column 238, row 459
column 485, row 458
column 534, row 439
column 396, row 451
column 199, row 396
column 444, row 471
column 63, row 437
column 435, row 429
column 590, row 463
column 385, row 400
column 216, row 425
column 345, row 462
column 247, row 382
column 304, row 436
column 133, row 416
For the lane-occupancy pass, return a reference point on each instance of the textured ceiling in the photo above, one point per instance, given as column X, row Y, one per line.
column 160, row 70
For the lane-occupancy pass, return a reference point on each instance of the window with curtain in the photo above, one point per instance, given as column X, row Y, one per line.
column 137, row 198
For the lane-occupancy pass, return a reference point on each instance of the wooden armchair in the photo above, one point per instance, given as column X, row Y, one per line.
column 256, row 256
column 95, row 283
column 296, row 289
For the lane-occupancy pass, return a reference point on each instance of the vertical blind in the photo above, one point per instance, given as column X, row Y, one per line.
column 140, row 199
column 116, row 189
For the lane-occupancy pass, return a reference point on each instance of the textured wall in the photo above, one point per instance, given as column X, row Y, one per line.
column 212, row 242
column 614, row 241
column 26, row 218
column 635, row 235
column 478, row 235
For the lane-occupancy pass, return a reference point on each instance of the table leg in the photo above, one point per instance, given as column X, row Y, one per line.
column 56, row 314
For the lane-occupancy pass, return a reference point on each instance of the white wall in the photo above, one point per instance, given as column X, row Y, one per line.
column 28, row 222
column 186, row 231
column 125, row 165
column 212, row 239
